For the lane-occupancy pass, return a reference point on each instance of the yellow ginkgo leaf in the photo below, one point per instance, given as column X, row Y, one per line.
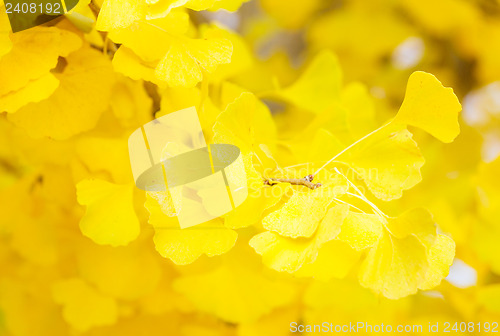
column 417, row 222
column 75, row 106
column 241, row 58
column 162, row 8
column 440, row 256
column 83, row 306
column 286, row 254
column 159, row 51
column 400, row 168
column 300, row 216
column 394, row 267
column 110, row 218
column 151, row 39
column 120, row 14
column 405, row 253
column 25, row 68
column 34, row 53
column 245, row 123
column 408, row 256
column 179, row 68
column 318, row 87
column 360, row 230
column 430, row 106
column 184, row 63
column 116, row 14
column 35, row 91
column 128, row 63
column 235, row 293
column 184, row 246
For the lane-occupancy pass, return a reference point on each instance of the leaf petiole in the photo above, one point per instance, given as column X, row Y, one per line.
column 349, row 147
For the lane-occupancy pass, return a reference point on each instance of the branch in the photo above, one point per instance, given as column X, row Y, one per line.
column 305, row 181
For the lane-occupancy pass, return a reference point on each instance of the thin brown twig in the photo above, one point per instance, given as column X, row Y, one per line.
column 94, row 8
column 305, row 181
column 152, row 92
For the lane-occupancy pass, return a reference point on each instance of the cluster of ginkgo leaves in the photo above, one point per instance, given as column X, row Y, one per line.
column 343, row 221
